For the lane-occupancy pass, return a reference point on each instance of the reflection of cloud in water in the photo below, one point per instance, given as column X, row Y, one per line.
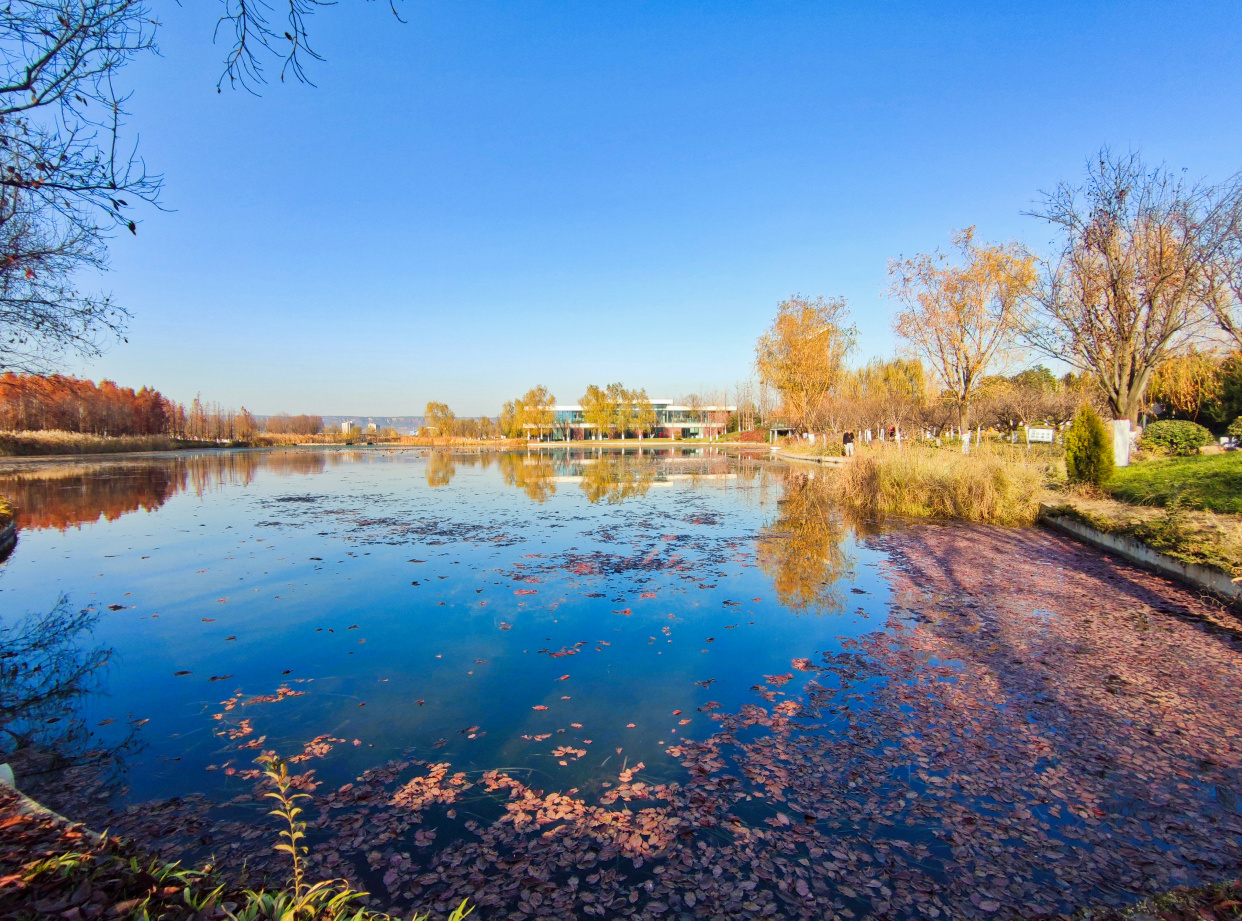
column 65, row 495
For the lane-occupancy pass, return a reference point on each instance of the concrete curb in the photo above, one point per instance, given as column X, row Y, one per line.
column 27, row 806
column 821, row 460
column 1137, row 552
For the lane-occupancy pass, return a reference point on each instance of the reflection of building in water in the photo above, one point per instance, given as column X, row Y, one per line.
column 672, row 420
column 64, row 495
column 613, row 475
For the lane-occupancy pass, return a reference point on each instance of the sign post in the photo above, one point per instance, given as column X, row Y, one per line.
column 1039, row 436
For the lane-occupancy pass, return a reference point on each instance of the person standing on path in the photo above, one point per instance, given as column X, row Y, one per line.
column 847, row 440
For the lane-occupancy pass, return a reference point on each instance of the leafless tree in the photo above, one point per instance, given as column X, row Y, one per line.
column 1227, row 214
column 68, row 176
column 1135, row 278
column 65, row 180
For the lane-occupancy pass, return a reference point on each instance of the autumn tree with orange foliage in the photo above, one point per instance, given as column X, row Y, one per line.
column 962, row 318
column 802, row 356
column 30, row 402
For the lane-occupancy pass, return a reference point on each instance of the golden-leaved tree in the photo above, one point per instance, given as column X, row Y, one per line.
column 1187, row 381
column 598, row 410
column 438, row 417
column 802, row 356
column 512, row 419
column 962, row 317
column 642, row 418
column 537, row 409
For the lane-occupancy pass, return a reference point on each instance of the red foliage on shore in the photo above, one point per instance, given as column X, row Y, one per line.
column 30, row 402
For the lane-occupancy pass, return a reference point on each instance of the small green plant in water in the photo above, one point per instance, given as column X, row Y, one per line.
column 329, row 900
column 1088, row 449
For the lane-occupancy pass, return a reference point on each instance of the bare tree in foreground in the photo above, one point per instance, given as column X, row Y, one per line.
column 68, row 177
column 1137, row 276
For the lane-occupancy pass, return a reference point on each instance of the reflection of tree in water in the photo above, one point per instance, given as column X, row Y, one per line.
column 45, row 672
column 803, row 551
column 534, row 474
column 76, row 495
column 70, row 495
column 440, row 468
column 614, row 479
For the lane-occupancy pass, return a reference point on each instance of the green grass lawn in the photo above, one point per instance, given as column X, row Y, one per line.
column 1210, row 482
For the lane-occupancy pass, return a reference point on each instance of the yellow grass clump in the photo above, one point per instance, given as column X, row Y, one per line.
column 25, row 444
column 988, row 487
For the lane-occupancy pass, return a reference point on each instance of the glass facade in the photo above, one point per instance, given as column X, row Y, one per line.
column 672, row 420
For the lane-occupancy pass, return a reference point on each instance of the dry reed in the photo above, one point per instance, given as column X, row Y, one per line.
column 29, row 444
column 993, row 487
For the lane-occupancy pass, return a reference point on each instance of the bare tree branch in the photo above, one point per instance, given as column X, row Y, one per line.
column 1135, row 279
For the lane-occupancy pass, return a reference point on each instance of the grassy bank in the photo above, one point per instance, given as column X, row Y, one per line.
column 1190, row 536
column 37, row 444
column 994, row 487
column 1216, row 902
column 1204, row 482
column 1185, row 508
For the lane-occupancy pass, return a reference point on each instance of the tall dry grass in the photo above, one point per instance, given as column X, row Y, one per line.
column 34, row 444
column 989, row 486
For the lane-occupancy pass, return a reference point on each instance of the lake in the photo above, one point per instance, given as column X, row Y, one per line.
column 651, row 683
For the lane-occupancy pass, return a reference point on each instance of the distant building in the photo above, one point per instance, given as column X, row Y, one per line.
column 672, row 420
column 372, row 427
column 346, row 427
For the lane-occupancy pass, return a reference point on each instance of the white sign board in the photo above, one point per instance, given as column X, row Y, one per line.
column 1037, row 435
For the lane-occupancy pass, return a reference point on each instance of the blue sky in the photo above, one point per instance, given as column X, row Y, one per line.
column 494, row 195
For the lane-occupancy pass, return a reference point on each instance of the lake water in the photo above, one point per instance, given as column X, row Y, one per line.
column 544, row 625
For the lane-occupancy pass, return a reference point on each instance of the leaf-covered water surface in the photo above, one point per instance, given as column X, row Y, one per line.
column 677, row 685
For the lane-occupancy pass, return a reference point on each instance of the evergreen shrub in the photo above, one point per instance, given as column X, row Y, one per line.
column 1088, row 449
column 1176, row 436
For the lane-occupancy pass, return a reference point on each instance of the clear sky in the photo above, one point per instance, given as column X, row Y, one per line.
column 494, row 195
